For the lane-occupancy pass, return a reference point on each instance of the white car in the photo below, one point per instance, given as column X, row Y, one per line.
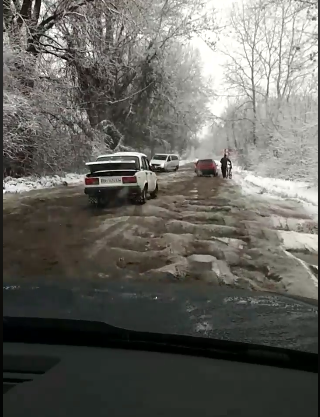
column 165, row 162
column 124, row 174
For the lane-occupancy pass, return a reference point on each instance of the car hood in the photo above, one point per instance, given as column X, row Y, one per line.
column 262, row 318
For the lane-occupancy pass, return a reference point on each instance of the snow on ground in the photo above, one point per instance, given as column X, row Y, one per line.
column 300, row 191
column 281, row 188
column 21, row 185
column 307, row 269
column 294, row 241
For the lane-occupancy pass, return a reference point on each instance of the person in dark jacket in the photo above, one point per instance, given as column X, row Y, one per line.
column 224, row 165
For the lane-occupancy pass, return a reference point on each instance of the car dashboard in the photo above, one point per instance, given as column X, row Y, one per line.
column 56, row 380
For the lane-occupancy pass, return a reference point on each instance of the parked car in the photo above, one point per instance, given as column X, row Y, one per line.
column 165, row 162
column 123, row 174
column 206, row 167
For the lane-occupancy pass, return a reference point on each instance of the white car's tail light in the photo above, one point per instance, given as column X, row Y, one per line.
column 129, row 180
column 91, row 181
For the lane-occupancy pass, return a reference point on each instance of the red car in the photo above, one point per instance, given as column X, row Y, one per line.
column 206, row 167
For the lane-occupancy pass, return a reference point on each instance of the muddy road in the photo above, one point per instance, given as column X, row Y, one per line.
column 199, row 231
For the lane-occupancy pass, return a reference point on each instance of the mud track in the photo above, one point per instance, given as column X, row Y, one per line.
column 198, row 230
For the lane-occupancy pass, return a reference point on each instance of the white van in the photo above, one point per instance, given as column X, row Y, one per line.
column 164, row 162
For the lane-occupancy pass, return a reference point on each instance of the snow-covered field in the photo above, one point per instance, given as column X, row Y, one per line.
column 21, row 185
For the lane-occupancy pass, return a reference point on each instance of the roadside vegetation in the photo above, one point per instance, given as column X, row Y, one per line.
column 83, row 77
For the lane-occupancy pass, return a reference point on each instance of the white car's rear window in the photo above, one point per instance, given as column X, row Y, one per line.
column 120, row 158
column 121, row 166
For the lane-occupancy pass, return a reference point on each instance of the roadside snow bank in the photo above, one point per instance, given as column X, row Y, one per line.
column 306, row 267
column 294, row 241
column 282, row 188
column 21, row 185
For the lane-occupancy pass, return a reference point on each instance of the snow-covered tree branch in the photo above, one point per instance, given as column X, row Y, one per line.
column 86, row 76
column 273, row 124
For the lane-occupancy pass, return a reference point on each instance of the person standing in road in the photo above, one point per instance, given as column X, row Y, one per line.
column 224, row 165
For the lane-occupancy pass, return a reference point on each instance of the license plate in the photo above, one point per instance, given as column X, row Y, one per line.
column 113, row 180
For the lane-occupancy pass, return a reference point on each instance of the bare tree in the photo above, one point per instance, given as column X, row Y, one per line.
column 88, row 76
column 244, row 69
column 272, row 66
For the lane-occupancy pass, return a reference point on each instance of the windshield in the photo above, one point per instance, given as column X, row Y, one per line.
column 173, row 246
column 160, row 157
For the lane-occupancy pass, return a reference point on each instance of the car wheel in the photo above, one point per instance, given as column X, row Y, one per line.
column 155, row 192
column 176, row 169
column 142, row 198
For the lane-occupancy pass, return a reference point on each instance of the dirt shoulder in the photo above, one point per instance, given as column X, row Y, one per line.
column 200, row 230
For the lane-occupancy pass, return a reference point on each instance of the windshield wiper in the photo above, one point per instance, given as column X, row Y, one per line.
column 99, row 334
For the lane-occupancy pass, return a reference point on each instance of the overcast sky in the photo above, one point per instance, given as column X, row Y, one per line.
column 213, row 61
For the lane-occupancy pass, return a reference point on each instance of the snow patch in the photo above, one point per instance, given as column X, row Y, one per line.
column 21, row 185
column 301, row 191
column 294, row 241
column 306, row 267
